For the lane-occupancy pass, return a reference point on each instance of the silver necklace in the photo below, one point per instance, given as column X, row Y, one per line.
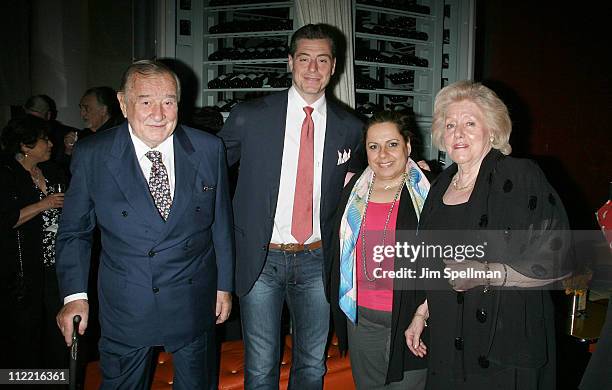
column 363, row 220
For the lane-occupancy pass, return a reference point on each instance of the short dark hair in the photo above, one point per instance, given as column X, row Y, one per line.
column 27, row 131
column 106, row 96
column 148, row 68
column 313, row 31
column 404, row 123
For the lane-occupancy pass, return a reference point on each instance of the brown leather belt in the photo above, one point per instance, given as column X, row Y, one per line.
column 293, row 248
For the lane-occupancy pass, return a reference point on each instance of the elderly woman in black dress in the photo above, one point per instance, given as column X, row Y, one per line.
column 30, row 204
column 493, row 329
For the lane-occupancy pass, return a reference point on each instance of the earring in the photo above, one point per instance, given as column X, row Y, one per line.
column 491, row 139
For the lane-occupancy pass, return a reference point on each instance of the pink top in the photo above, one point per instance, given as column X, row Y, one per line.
column 378, row 294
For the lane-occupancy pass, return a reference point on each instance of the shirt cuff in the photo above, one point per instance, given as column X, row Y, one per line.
column 74, row 297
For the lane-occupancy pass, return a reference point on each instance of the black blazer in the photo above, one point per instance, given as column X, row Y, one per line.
column 17, row 191
column 406, row 298
column 254, row 134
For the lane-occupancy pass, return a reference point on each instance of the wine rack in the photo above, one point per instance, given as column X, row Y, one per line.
column 398, row 59
column 405, row 51
column 245, row 46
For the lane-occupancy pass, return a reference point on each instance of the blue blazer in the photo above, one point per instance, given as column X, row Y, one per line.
column 254, row 134
column 157, row 280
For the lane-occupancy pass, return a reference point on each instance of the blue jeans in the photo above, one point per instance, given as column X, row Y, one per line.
column 297, row 278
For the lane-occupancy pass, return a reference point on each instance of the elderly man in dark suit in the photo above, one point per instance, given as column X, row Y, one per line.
column 159, row 194
column 294, row 149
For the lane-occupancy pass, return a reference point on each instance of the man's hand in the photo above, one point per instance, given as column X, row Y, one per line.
column 224, row 306
column 67, row 313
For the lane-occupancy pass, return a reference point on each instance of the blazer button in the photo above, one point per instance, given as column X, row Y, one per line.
column 264, row 247
column 155, row 290
column 151, row 253
column 198, row 209
column 124, row 213
column 458, row 343
column 483, row 361
column 481, row 315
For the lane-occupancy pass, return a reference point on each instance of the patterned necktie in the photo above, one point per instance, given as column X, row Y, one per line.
column 301, row 224
column 159, row 185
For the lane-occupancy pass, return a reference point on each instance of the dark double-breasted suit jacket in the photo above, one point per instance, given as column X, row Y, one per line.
column 157, row 279
column 254, row 134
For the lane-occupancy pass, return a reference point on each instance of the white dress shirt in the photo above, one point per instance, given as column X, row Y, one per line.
column 166, row 148
column 281, row 234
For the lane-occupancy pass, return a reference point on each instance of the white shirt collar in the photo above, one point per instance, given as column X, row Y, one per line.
column 296, row 100
column 166, row 147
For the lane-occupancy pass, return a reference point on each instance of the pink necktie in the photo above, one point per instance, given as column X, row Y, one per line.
column 301, row 224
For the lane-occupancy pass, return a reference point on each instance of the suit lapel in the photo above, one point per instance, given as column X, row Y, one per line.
column 127, row 173
column 334, row 142
column 275, row 142
column 185, row 169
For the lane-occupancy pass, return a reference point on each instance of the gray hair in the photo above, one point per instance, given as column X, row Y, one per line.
column 37, row 103
column 496, row 116
column 147, row 68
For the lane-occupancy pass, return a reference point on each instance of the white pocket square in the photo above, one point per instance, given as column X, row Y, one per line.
column 343, row 156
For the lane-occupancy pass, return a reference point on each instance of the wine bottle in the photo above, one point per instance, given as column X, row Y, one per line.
column 217, row 83
column 238, row 81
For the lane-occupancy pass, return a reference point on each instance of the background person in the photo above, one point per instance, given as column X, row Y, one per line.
column 489, row 332
column 30, row 205
column 99, row 110
column 373, row 312
column 63, row 137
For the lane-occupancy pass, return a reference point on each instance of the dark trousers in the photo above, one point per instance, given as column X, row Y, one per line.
column 127, row 367
column 30, row 336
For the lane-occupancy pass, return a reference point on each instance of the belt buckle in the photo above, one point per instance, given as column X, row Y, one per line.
column 289, row 247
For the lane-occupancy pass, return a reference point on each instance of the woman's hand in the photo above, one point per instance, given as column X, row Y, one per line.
column 415, row 329
column 52, row 201
column 413, row 336
column 464, row 283
column 498, row 272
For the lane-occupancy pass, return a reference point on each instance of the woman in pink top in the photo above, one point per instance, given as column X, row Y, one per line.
column 370, row 301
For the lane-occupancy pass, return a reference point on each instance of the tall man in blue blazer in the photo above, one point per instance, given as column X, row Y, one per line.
column 159, row 194
column 294, row 149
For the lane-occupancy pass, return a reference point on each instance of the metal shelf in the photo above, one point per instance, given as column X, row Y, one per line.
column 248, row 34
column 242, row 7
column 243, row 89
column 392, row 92
column 392, row 11
column 392, row 66
column 262, row 61
column 392, row 39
